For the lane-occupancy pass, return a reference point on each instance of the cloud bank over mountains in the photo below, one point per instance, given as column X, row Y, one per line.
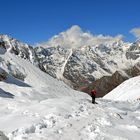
column 136, row 32
column 75, row 37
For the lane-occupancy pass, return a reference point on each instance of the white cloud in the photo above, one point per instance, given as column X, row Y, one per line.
column 75, row 38
column 136, row 32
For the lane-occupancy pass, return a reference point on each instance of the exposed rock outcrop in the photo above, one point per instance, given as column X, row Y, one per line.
column 3, row 74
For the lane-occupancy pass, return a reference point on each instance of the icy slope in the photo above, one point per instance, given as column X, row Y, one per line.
column 128, row 90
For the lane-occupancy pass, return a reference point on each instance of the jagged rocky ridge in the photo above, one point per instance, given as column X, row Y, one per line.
column 84, row 67
column 18, row 48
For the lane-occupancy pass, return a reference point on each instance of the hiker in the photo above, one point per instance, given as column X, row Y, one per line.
column 93, row 95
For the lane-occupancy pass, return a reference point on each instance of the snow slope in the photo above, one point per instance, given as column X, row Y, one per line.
column 128, row 90
column 35, row 80
column 70, row 119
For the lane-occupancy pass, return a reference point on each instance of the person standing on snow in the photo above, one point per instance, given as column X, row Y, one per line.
column 93, row 95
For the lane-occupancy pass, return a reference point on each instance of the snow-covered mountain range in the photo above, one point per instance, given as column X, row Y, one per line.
column 88, row 57
column 79, row 58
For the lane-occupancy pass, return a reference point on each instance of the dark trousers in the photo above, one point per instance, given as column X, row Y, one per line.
column 93, row 100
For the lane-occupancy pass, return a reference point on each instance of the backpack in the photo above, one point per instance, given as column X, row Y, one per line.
column 93, row 92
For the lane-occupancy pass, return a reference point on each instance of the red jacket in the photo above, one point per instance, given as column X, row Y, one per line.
column 93, row 93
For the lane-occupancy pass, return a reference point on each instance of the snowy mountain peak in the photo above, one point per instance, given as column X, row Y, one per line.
column 18, row 48
column 5, row 41
column 4, row 37
column 10, row 43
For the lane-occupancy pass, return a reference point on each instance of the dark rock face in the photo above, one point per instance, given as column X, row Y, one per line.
column 3, row 75
column 134, row 51
column 2, row 44
column 77, row 72
column 108, row 83
column 134, row 71
column 17, row 74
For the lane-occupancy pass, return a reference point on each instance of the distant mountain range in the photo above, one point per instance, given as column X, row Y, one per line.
column 81, row 60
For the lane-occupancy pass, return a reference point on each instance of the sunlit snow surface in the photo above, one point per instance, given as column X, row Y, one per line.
column 70, row 119
column 43, row 108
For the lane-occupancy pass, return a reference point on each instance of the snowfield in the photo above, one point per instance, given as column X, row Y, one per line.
column 39, row 107
column 70, row 119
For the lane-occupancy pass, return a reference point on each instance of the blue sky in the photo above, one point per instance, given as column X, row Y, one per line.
column 33, row 21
